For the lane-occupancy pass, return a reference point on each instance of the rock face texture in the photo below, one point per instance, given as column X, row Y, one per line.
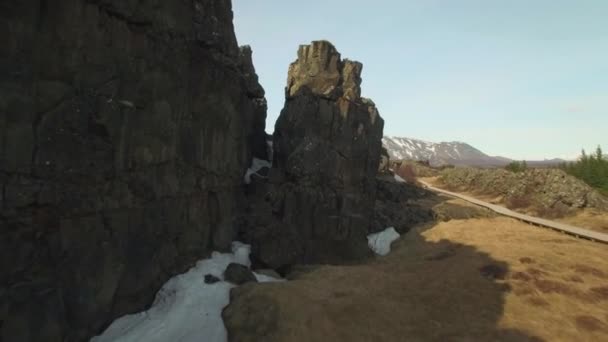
column 239, row 274
column 125, row 131
column 255, row 92
column 396, row 205
column 327, row 146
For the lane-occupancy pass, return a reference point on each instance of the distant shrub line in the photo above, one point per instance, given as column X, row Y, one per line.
column 592, row 169
column 516, row 166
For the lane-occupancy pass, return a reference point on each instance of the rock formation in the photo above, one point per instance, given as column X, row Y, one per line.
column 255, row 92
column 544, row 192
column 327, row 145
column 125, row 131
column 396, row 205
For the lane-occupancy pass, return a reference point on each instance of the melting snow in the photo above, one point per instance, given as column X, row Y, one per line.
column 380, row 242
column 256, row 165
column 186, row 309
column 399, row 179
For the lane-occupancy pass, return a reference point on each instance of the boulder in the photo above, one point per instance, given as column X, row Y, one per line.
column 125, row 130
column 322, row 187
column 211, row 279
column 239, row 274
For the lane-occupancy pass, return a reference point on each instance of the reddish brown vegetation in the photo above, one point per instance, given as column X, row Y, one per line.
column 590, row 323
column 537, row 301
column 407, row 172
column 599, row 293
column 535, row 272
column 575, row 279
column 550, row 286
column 526, row 260
column 518, row 202
column 521, row 276
column 584, row 269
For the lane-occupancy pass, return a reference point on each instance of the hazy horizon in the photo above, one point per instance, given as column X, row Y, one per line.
column 517, row 79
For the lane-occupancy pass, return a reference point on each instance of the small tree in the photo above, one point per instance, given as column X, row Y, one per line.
column 599, row 155
column 516, row 166
column 592, row 169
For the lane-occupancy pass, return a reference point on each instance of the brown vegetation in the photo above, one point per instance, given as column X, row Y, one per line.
column 465, row 279
column 533, row 198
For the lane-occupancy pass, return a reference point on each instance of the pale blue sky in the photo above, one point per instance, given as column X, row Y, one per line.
column 517, row 78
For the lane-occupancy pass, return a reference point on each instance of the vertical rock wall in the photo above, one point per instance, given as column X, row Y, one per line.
column 125, row 130
column 327, row 145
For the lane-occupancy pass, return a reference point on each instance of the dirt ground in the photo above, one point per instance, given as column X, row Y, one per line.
column 591, row 219
column 482, row 279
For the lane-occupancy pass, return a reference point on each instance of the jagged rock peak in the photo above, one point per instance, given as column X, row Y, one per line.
column 248, row 71
column 320, row 69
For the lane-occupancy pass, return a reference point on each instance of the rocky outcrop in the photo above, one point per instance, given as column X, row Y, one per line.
column 385, row 162
column 239, row 274
column 322, row 188
column 125, row 131
column 545, row 192
column 396, row 205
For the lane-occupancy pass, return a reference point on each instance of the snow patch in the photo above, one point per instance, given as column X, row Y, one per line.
column 186, row 309
column 256, row 165
column 380, row 242
column 399, row 179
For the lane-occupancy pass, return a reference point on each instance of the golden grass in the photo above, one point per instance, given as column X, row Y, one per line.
column 489, row 279
column 591, row 219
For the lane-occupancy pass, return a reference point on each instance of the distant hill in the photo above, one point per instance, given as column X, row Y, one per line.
column 444, row 153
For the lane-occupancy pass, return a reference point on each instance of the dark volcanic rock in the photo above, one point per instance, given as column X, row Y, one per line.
column 268, row 272
column 255, row 92
column 250, row 317
column 327, row 145
column 385, row 162
column 125, row 131
column 389, row 190
column 211, row 279
column 238, row 274
column 396, row 205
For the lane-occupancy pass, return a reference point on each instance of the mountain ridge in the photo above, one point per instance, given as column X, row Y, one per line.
column 456, row 153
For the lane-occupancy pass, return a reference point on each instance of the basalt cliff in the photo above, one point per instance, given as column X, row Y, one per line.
column 126, row 129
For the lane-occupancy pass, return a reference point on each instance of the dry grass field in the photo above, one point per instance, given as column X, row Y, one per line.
column 590, row 219
column 481, row 279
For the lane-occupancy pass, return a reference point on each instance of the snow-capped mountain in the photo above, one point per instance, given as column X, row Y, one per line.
column 455, row 152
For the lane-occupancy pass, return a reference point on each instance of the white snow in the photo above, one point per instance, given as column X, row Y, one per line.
column 256, row 165
column 380, row 242
column 186, row 309
column 399, row 179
